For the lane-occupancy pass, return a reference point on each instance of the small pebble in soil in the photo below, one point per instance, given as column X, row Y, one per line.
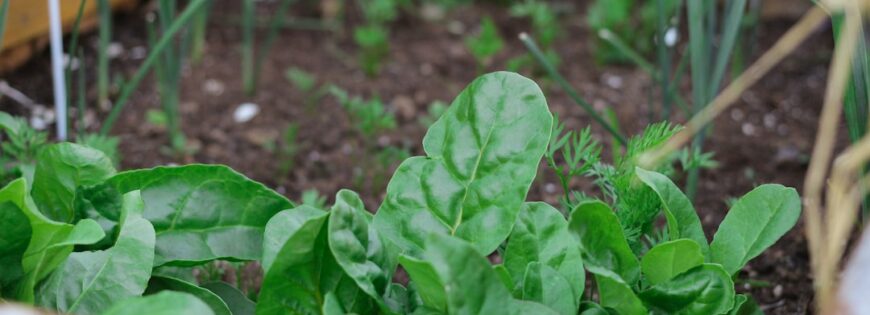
column 114, row 50
column 245, row 112
column 769, row 121
column 613, row 81
column 787, row 154
column 138, row 53
column 737, row 115
column 432, row 12
column 346, row 148
column 71, row 62
column 748, row 129
column 426, row 69
column 405, row 107
column 550, row 188
column 314, row 156
column 41, row 117
column 384, row 141
column 456, row 27
column 671, row 36
column 777, row 291
column 213, row 87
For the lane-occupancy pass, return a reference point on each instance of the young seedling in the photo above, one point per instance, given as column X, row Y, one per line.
column 301, row 80
column 369, row 117
column 374, row 47
column 288, row 148
column 433, row 112
column 486, row 44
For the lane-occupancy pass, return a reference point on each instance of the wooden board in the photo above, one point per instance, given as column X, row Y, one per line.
column 27, row 26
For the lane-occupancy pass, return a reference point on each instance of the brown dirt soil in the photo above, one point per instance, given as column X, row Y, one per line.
column 765, row 138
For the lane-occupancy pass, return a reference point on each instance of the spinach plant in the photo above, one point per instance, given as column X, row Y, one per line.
column 486, row 44
column 87, row 239
column 373, row 37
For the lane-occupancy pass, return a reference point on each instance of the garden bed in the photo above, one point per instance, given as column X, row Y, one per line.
column 765, row 138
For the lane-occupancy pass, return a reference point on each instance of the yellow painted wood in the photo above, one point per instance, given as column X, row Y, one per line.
column 27, row 20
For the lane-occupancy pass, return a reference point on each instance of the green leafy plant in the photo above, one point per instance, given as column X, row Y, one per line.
column 302, row 80
column 373, row 41
column 369, row 117
column 486, row 44
column 106, row 144
column 87, row 239
column 373, row 37
column 288, row 147
column 19, row 148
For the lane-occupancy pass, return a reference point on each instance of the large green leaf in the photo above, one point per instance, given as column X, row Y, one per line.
column 482, row 156
column 753, row 224
column 545, row 285
column 706, row 289
column 666, row 260
column 357, row 247
column 602, row 242
column 745, row 305
column 202, row 212
column 615, row 294
column 452, row 277
column 427, row 281
column 163, row 303
column 90, row 282
column 60, row 170
column 15, row 233
column 299, row 268
column 161, row 283
column 238, row 303
column 541, row 235
column 682, row 219
column 48, row 246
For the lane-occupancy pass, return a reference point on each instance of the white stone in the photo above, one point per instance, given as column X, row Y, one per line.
column 245, row 112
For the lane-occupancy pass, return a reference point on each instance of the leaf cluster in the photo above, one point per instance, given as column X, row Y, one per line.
column 87, row 239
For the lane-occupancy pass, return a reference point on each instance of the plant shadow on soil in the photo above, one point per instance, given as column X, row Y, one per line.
column 765, row 138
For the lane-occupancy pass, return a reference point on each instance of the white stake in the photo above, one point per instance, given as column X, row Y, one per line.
column 57, row 68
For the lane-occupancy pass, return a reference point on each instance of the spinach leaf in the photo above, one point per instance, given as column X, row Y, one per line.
column 541, row 235
column 602, row 242
column 745, row 305
column 163, row 303
column 48, row 245
column 60, row 170
column 90, row 282
column 358, row 248
column 754, row 223
column 15, row 233
column 682, row 219
column 238, row 303
column 481, row 158
column 545, row 285
column 615, row 294
column 668, row 259
column 202, row 212
column 331, row 306
column 454, row 278
column 161, row 283
column 706, row 289
column 299, row 268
